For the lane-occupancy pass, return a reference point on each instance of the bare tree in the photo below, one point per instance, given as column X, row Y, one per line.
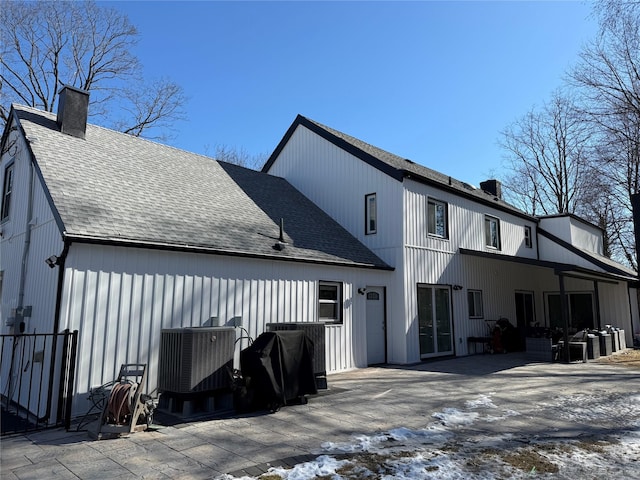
column 237, row 156
column 46, row 45
column 548, row 153
column 608, row 78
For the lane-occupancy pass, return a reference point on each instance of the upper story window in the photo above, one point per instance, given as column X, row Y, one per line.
column 330, row 302
column 370, row 214
column 437, row 223
column 528, row 241
column 7, row 190
column 492, row 232
column 474, row 298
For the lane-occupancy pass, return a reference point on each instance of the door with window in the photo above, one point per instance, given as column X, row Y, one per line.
column 376, row 344
column 434, row 320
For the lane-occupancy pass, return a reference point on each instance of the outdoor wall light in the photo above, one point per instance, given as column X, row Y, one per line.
column 362, row 290
column 52, row 261
column 457, row 287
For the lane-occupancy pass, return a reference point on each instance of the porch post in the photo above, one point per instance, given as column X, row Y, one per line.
column 564, row 307
column 597, row 294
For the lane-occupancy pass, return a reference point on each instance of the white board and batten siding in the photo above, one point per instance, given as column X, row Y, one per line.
column 432, row 260
column 465, row 223
column 310, row 163
column 119, row 299
column 39, row 281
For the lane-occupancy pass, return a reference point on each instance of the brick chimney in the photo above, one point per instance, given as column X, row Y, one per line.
column 73, row 108
column 492, row 187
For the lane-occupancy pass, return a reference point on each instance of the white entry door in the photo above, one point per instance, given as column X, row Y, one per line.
column 376, row 344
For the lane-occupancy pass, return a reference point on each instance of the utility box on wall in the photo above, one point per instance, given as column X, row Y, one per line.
column 195, row 359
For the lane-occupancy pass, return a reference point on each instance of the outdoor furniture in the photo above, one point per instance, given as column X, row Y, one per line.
column 577, row 351
column 539, row 349
column 605, row 344
column 593, row 347
column 484, row 341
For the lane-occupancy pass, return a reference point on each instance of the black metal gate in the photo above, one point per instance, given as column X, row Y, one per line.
column 37, row 372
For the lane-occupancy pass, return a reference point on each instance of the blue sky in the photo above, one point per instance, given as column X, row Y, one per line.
column 434, row 82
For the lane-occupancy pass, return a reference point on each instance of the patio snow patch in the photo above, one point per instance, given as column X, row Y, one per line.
column 446, row 449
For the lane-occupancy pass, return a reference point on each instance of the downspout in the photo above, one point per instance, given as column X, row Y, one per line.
column 56, row 326
column 25, row 250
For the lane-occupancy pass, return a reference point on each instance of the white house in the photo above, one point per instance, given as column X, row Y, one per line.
column 461, row 255
column 118, row 238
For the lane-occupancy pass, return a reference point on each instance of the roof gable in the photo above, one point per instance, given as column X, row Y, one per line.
column 115, row 188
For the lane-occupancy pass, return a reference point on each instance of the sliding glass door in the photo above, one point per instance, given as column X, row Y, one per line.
column 434, row 320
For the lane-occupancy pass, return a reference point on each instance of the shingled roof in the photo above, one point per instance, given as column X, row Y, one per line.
column 114, row 188
column 394, row 165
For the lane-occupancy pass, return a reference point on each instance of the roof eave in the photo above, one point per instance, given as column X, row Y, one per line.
column 208, row 250
column 443, row 186
column 603, row 265
column 558, row 267
column 393, row 172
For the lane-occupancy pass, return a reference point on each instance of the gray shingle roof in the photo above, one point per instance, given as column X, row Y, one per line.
column 112, row 187
column 394, row 165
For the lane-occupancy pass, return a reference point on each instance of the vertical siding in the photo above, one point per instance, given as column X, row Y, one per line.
column 498, row 281
column 616, row 310
column 553, row 252
column 635, row 316
column 434, row 260
column 312, row 164
column 39, row 282
column 120, row 299
column 338, row 182
column 465, row 222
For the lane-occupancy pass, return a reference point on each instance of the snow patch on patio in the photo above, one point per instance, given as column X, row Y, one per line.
column 447, row 449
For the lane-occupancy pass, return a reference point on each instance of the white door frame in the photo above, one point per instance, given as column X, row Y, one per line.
column 376, row 325
column 436, row 352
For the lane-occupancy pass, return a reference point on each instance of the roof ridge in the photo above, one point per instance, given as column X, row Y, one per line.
column 126, row 135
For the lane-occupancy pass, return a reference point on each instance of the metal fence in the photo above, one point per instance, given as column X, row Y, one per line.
column 37, row 374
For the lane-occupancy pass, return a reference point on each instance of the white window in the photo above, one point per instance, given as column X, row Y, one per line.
column 528, row 241
column 437, row 223
column 7, row 190
column 330, row 302
column 474, row 298
column 371, row 214
column 492, row 232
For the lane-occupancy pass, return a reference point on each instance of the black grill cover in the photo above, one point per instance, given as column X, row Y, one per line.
column 278, row 368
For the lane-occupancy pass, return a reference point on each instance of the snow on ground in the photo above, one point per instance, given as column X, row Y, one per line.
column 454, row 447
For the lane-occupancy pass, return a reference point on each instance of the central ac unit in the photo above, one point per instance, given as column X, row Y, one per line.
column 196, row 359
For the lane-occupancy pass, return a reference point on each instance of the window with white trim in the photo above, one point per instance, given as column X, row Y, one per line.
column 437, row 223
column 7, row 190
column 371, row 214
column 528, row 241
column 492, row 232
column 330, row 302
column 474, row 297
